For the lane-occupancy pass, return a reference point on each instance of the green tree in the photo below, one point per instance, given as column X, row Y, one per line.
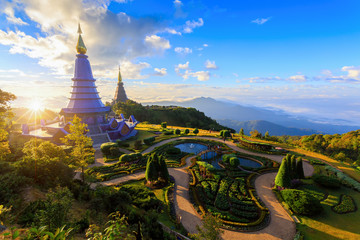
column 255, row 134
column 282, row 178
column 164, row 124
column 211, row 229
column 196, row 131
column 293, row 170
column 241, row 132
column 163, row 170
column 56, row 208
column 299, row 168
column 5, row 115
column 267, row 135
column 151, row 173
column 82, row 149
column 234, row 162
column 117, row 228
column 187, row 131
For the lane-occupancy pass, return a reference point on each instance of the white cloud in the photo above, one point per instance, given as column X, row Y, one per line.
column 236, row 75
column 172, row 31
column 298, row 78
column 260, row 21
column 210, row 65
column 109, row 37
column 10, row 16
column 201, row 75
column 353, row 72
column 205, row 45
column 160, row 71
column 190, row 25
column 130, row 70
column 158, row 42
column 183, row 51
column 181, row 66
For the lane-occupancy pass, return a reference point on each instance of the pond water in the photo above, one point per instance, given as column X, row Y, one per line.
column 212, row 158
column 249, row 163
column 192, row 147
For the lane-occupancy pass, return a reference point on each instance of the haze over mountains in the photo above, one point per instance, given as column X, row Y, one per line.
column 249, row 118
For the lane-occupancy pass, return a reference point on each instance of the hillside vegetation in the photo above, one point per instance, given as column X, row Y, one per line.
column 175, row 116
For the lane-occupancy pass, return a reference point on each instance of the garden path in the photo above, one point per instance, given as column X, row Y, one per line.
column 281, row 225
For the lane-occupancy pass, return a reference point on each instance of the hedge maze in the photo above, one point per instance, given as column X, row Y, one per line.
column 228, row 195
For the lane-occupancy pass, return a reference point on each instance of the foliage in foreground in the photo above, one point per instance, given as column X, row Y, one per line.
column 210, row 230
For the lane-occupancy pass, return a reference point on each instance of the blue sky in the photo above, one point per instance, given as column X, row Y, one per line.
column 302, row 57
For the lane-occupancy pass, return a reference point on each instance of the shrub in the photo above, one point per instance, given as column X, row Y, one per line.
column 164, row 124
column 196, row 131
column 177, row 131
column 187, row 131
column 301, row 202
column 173, row 151
column 326, row 181
column 226, row 157
column 168, row 133
column 149, row 140
column 105, row 148
column 234, row 162
column 124, row 158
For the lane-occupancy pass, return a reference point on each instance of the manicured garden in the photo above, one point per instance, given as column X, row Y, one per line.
column 325, row 204
column 229, row 193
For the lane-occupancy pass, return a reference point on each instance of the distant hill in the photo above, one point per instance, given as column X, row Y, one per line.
column 175, row 116
column 264, row 126
column 223, row 110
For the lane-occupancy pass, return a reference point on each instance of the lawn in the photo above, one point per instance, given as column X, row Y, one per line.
column 330, row 225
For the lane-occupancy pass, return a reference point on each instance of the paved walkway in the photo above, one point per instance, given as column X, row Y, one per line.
column 281, row 225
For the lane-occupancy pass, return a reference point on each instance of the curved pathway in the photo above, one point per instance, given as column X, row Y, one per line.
column 281, row 225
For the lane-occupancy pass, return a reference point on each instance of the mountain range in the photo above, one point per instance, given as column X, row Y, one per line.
column 249, row 118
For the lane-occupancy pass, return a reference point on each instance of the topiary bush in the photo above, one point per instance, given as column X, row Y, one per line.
column 326, row 181
column 124, row 158
column 226, row 158
column 187, row 131
column 122, row 144
column 234, row 162
column 177, row 131
column 105, row 148
column 149, row 140
column 301, row 202
column 196, row 131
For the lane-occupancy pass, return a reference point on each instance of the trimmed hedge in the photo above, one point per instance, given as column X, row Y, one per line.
column 301, row 202
column 105, row 148
column 346, row 205
column 149, row 140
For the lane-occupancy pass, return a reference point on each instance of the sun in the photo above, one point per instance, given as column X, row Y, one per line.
column 36, row 106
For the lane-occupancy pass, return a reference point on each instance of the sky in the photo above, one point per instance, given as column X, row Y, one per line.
column 301, row 57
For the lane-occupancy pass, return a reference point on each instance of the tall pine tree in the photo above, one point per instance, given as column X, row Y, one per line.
column 283, row 178
column 293, row 172
column 299, row 168
column 164, row 173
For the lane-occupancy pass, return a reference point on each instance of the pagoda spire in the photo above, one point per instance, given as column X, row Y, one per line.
column 80, row 46
column 120, row 94
column 119, row 76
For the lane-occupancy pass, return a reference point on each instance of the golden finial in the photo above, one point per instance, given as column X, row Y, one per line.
column 80, row 46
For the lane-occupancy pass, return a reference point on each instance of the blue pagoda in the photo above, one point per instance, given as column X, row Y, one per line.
column 85, row 103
